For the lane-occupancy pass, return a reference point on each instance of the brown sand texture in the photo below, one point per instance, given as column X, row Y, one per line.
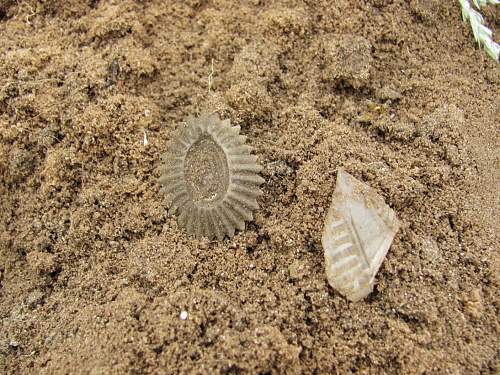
column 96, row 277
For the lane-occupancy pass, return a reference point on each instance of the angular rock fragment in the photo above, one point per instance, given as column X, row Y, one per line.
column 359, row 229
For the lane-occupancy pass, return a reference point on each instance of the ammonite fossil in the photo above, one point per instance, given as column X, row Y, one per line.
column 359, row 230
column 210, row 177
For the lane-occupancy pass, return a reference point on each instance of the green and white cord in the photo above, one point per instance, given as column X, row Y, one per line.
column 482, row 34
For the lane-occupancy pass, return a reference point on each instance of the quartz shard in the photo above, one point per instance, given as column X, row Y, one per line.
column 359, row 229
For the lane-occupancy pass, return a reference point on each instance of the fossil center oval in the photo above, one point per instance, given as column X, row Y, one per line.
column 206, row 171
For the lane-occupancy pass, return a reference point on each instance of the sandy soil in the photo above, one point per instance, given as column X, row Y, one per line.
column 94, row 272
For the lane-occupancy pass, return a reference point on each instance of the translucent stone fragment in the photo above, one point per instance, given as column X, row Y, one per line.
column 359, row 229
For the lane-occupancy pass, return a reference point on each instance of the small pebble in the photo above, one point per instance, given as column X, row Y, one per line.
column 387, row 93
column 297, row 270
column 184, row 315
column 177, row 284
column 13, row 343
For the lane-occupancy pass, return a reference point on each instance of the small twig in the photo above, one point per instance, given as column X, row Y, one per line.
column 210, row 77
column 32, row 13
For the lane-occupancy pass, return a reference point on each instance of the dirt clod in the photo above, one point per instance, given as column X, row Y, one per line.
column 348, row 60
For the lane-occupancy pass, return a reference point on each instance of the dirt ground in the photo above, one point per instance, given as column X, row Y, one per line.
column 94, row 272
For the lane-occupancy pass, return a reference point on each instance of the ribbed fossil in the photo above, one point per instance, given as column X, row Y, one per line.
column 210, row 177
column 359, row 229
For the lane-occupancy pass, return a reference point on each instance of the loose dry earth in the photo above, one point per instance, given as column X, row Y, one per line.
column 94, row 272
